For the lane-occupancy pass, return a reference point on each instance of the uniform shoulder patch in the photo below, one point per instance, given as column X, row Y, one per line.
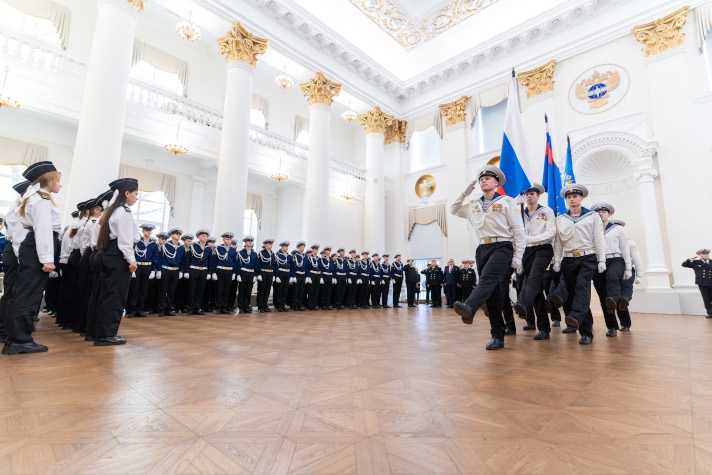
column 508, row 198
column 44, row 196
column 127, row 209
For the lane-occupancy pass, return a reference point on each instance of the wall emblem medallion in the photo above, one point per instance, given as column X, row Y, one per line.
column 599, row 89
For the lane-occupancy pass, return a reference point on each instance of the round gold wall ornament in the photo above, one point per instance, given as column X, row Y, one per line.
column 425, row 186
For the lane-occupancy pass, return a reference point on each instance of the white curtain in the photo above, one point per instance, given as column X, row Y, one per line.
column 486, row 98
column 58, row 14
column 419, row 124
column 300, row 124
column 152, row 181
column 703, row 23
column 261, row 104
column 17, row 152
column 160, row 60
column 254, row 202
column 35, row 153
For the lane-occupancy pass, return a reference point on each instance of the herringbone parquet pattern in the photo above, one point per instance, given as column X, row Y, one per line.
column 371, row 392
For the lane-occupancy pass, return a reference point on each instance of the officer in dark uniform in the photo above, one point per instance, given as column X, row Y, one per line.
column 299, row 273
column 232, row 294
column 327, row 278
column 247, row 267
column 352, row 276
column 197, row 270
column 224, row 270
column 313, row 277
column 412, row 280
column 385, row 280
column 170, row 273
column 208, row 303
column 363, row 281
column 265, row 277
column 466, row 279
column 435, row 281
column 182, row 294
column 397, row 279
column 341, row 273
column 283, row 278
column 374, row 275
column 146, row 253
column 702, row 266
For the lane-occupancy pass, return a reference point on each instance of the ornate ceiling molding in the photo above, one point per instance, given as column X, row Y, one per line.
column 395, row 133
column 319, row 90
column 376, row 121
column 663, row 33
column 241, row 45
column 137, row 4
column 538, row 81
column 410, row 33
column 454, row 111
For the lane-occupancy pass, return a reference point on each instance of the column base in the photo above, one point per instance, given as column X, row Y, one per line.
column 658, row 279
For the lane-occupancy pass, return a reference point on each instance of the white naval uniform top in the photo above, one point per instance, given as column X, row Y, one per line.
column 616, row 243
column 66, row 248
column 582, row 233
column 14, row 230
column 122, row 227
column 87, row 234
column 540, row 225
column 635, row 256
column 44, row 219
column 500, row 220
column 77, row 239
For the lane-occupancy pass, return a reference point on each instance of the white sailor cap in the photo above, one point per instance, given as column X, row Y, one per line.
column 187, row 236
column 341, row 249
column 175, row 230
column 536, row 188
column 162, row 235
column 294, row 251
column 386, row 255
column 491, row 170
column 353, row 251
column 574, row 188
column 284, row 243
column 365, row 252
column 309, row 251
column 301, row 243
column 147, row 227
column 248, row 238
column 202, row 231
column 704, row 250
column 234, row 241
column 268, row 241
column 228, row 235
column 375, row 254
column 315, row 246
column 327, row 248
column 396, row 256
column 619, row 222
column 212, row 239
column 604, row 206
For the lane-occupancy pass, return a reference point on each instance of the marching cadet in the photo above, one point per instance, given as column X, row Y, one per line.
column 341, row 273
column 364, row 282
column 540, row 229
column 246, row 274
column 313, row 277
column 397, row 279
column 637, row 268
column 501, row 245
column 352, row 277
column 154, row 284
column 385, row 281
column 267, row 269
column 196, row 270
column 466, row 279
column 146, row 251
column 374, row 274
column 327, row 279
column 170, row 273
column 609, row 284
column 412, row 280
column 299, row 272
column 232, row 295
column 223, row 272
column 283, row 279
column 434, row 281
column 579, row 251
column 703, row 276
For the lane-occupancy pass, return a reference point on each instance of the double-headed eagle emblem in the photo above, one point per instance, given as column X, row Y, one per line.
column 598, row 88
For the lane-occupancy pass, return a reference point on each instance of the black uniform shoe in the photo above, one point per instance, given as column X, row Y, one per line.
column 529, row 327
column 200, row 312
column 386, row 306
column 170, row 313
column 485, row 309
column 110, row 341
column 611, row 332
column 623, row 305
column 302, row 309
column 465, row 312
column 708, row 316
column 129, row 315
column 611, row 305
column 397, row 306
column 568, row 330
column 542, row 335
column 556, row 323
column 416, row 306
column 571, row 322
column 141, row 315
column 89, row 338
column 376, row 306
column 556, row 301
column 495, row 344
column 510, row 331
column 585, row 340
column 35, row 318
column 627, row 329
column 161, row 314
column 521, row 311
column 12, row 348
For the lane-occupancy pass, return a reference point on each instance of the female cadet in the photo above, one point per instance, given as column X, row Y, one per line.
column 39, row 215
column 116, row 260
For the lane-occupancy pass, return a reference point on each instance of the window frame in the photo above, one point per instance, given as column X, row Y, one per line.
column 137, row 73
column 160, row 226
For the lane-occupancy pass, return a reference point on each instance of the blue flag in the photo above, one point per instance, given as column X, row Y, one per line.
column 552, row 178
column 569, row 177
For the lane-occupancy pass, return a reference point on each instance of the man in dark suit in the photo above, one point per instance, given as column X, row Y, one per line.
column 451, row 271
column 703, row 276
column 412, row 277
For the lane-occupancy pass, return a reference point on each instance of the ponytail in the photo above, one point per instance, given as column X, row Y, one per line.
column 103, row 239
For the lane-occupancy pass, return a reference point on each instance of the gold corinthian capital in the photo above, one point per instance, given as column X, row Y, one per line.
column 319, row 90
column 241, row 45
column 395, row 132
column 137, row 4
column 454, row 111
column 376, row 121
column 539, row 80
column 663, row 33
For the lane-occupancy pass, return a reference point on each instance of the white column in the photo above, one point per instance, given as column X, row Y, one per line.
column 374, row 216
column 656, row 271
column 231, row 189
column 395, row 201
column 195, row 220
column 97, row 150
column 316, row 198
column 453, row 151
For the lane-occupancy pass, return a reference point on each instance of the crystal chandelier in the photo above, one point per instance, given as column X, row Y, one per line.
column 187, row 30
column 176, row 148
column 283, row 81
column 279, row 176
column 347, row 196
column 6, row 101
column 349, row 115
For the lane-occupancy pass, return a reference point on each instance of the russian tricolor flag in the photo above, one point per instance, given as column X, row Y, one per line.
column 514, row 160
column 552, row 177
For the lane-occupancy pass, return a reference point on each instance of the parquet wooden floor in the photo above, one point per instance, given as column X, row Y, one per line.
column 373, row 392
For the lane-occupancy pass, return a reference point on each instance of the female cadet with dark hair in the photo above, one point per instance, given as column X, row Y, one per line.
column 116, row 260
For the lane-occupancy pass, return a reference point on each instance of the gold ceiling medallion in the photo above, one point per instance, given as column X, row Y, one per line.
column 376, row 121
column 395, row 133
column 410, row 33
column 241, row 45
column 425, row 186
column 137, row 4
column 494, row 161
column 663, row 33
column 538, row 81
column 319, row 90
column 454, row 111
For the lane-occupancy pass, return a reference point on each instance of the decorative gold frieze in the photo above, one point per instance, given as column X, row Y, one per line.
column 137, row 4
column 241, row 45
column 454, row 111
column 376, row 121
column 319, row 90
column 663, row 33
column 539, row 80
column 395, row 132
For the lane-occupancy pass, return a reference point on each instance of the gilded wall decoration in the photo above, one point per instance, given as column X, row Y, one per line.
column 410, row 33
column 454, row 111
column 376, row 121
column 319, row 90
column 538, row 81
column 663, row 33
column 395, row 132
column 137, row 4
column 599, row 89
column 241, row 45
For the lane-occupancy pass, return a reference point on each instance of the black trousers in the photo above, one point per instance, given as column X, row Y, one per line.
column 506, row 304
column 706, row 293
column 263, row 288
column 340, row 295
column 535, row 261
column 222, row 288
column 375, row 291
column 615, row 268
column 397, row 286
column 385, row 288
column 83, row 292
column 577, row 274
column 551, row 282
column 493, row 262
column 114, row 288
column 281, row 289
column 169, row 283
column 197, row 280
column 28, row 292
column 451, row 294
column 314, row 291
column 364, row 291
column 410, row 292
column 138, row 289
column 298, row 292
column 627, row 286
column 436, row 298
column 244, row 295
column 232, row 295
column 352, row 292
column 465, row 291
column 325, row 291
column 93, row 304
column 70, row 276
column 11, row 265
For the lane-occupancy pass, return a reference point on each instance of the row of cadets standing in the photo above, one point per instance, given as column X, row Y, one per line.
column 196, row 269
column 148, row 262
column 171, row 258
column 247, row 267
column 285, row 277
column 224, row 270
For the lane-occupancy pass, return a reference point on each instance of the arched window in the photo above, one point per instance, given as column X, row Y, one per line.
column 152, row 207
column 489, row 127
column 44, row 20
column 424, row 149
column 9, row 175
